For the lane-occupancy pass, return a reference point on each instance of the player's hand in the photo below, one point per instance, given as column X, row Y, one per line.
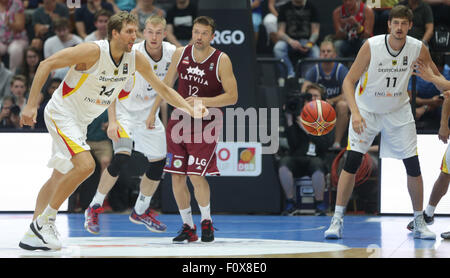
column 28, row 116
column 358, row 123
column 446, row 94
column 113, row 131
column 444, row 133
column 150, row 122
column 423, row 71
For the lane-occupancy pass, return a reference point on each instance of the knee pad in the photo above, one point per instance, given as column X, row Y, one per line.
column 353, row 161
column 412, row 166
column 155, row 169
column 118, row 162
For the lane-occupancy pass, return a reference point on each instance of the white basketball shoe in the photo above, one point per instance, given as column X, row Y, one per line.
column 31, row 242
column 421, row 230
column 46, row 232
column 335, row 229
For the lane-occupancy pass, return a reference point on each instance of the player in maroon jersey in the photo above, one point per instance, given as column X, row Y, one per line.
column 204, row 74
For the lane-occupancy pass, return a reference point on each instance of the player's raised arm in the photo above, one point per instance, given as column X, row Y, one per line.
column 167, row 93
column 84, row 55
column 229, row 84
column 357, row 69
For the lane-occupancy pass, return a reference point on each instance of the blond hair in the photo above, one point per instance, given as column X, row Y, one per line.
column 155, row 20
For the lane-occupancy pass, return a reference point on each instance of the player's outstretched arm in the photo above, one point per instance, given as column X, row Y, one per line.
column 229, row 84
column 444, row 131
column 167, row 93
column 427, row 72
column 357, row 69
column 83, row 55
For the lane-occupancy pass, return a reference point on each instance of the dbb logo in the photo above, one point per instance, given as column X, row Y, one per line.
column 229, row 37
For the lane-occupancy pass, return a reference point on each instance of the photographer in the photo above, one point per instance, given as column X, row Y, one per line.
column 306, row 154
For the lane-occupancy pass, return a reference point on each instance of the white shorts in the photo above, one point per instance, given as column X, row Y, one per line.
column 69, row 138
column 446, row 161
column 150, row 142
column 398, row 133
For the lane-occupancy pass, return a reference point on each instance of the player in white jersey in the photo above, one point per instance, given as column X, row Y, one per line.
column 137, row 115
column 440, row 186
column 98, row 74
column 380, row 103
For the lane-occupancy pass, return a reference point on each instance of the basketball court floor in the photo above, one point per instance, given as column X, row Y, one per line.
column 237, row 236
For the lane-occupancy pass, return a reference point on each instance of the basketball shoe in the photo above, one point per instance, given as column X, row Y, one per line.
column 335, row 229
column 428, row 219
column 46, row 232
column 187, row 234
column 91, row 218
column 207, row 231
column 445, row 235
column 149, row 220
column 31, row 242
column 421, row 230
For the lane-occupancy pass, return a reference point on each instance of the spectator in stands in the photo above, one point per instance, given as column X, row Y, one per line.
column 46, row 96
column 144, row 9
column 381, row 11
column 5, row 80
column 331, row 75
column 179, row 22
column 298, row 31
column 43, row 18
column 306, row 158
column 61, row 40
column 257, row 14
column 13, row 37
column 423, row 25
column 19, row 90
column 440, row 10
column 7, row 103
column 270, row 20
column 85, row 16
column 101, row 25
column 123, row 5
column 428, row 100
column 14, row 117
column 31, row 60
column 353, row 23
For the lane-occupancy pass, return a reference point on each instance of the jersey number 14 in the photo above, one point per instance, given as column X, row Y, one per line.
column 106, row 93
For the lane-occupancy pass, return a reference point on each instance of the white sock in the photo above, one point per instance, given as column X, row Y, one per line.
column 418, row 213
column 186, row 216
column 430, row 210
column 206, row 212
column 339, row 211
column 142, row 203
column 99, row 198
column 48, row 213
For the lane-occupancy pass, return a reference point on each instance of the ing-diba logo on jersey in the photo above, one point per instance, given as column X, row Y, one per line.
column 98, row 101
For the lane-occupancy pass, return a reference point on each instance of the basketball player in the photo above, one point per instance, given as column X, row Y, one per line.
column 204, row 74
column 440, row 186
column 98, row 74
column 381, row 104
column 137, row 116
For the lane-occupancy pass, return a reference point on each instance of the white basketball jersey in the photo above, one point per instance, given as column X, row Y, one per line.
column 143, row 95
column 86, row 94
column 383, row 87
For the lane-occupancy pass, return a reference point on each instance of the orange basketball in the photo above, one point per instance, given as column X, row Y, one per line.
column 318, row 117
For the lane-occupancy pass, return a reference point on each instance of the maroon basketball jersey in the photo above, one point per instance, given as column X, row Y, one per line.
column 199, row 78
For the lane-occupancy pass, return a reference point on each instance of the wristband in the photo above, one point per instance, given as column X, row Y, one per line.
column 309, row 44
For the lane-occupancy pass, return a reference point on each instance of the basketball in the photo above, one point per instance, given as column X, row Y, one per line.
column 318, row 117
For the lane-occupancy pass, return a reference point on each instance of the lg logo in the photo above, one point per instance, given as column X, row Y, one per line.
column 229, row 37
